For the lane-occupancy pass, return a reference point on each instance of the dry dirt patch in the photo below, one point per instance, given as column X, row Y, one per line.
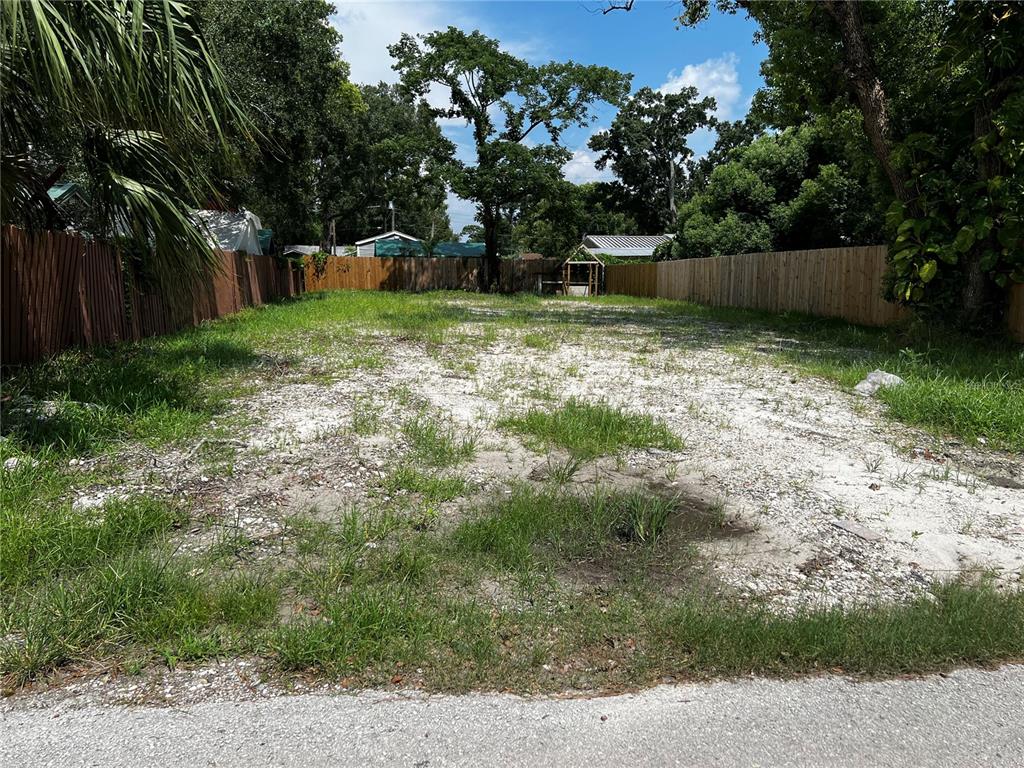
column 840, row 504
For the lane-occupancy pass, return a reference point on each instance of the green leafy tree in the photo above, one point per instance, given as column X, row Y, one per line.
column 473, row 233
column 558, row 221
column 729, row 135
column 281, row 59
column 389, row 151
column 939, row 89
column 125, row 97
column 646, row 144
column 505, row 100
column 791, row 190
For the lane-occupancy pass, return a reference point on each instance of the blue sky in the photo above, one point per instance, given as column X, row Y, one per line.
column 719, row 57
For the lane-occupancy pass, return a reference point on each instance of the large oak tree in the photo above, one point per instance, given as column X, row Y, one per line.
column 505, row 100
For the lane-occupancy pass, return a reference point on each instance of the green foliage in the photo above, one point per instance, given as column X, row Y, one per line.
column 125, row 98
column 555, row 224
column 792, row 190
column 588, row 430
column 391, row 151
column 940, row 90
column 967, row 211
column 646, row 144
column 486, row 83
column 281, row 59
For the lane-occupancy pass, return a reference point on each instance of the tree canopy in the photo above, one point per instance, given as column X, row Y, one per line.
column 940, row 91
column 646, row 144
column 504, row 99
column 125, row 98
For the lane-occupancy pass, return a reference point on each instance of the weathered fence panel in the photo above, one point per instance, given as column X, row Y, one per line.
column 632, row 279
column 59, row 290
column 409, row 273
column 830, row 282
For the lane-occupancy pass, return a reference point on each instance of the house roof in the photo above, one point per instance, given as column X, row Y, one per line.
column 305, row 250
column 65, row 189
column 613, row 243
column 387, row 236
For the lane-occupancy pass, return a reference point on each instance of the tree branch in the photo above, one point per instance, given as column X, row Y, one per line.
column 626, row 6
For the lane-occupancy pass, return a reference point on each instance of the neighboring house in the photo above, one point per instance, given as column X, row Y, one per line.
column 396, row 243
column 301, row 250
column 393, row 242
column 71, row 201
column 232, row 231
column 309, row 250
column 624, row 246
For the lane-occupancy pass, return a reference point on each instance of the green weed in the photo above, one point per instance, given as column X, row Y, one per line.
column 588, row 430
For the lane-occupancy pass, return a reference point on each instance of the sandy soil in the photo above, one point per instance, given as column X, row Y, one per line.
column 843, row 504
column 839, row 505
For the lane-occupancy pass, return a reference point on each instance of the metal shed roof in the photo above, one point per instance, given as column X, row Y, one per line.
column 612, row 243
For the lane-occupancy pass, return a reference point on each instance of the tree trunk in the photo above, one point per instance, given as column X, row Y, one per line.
column 672, row 213
column 874, row 104
column 491, row 263
column 977, row 307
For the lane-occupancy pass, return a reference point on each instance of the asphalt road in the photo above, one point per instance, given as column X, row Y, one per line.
column 971, row 718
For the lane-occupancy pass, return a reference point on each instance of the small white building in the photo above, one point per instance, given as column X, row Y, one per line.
column 368, row 246
column 624, row 246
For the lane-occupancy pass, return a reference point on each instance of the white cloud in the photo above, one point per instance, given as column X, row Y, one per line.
column 714, row 77
column 580, row 168
column 367, row 29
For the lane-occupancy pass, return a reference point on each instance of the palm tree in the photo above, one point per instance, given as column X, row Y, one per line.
column 126, row 93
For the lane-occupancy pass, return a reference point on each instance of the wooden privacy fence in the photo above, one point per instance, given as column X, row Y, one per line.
column 831, row 282
column 415, row 273
column 59, row 290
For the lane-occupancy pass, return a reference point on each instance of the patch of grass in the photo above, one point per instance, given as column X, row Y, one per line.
column 538, row 340
column 431, row 487
column 437, row 443
column 81, row 402
column 518, row 531
column 366, row 417
column 44, row 539
column 588, row 430
column 992, row 409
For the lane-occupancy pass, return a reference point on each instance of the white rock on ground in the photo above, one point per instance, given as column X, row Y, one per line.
column 875, row 381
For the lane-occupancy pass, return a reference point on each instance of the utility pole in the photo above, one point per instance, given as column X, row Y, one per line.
column 391, row 207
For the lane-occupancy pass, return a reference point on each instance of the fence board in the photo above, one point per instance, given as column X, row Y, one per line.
column 59, row 290
column 831, row 282
column 364, row 273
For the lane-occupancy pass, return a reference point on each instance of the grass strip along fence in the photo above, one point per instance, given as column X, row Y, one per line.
column 61, row 290
column 829, row 282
